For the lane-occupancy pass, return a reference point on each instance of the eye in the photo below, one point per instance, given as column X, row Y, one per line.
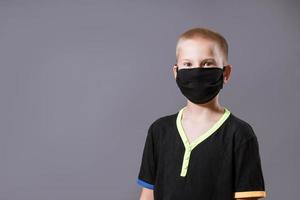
column 188, row 64
column 209, row 63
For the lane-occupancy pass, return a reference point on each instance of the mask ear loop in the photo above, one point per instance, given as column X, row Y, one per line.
column 224, row 70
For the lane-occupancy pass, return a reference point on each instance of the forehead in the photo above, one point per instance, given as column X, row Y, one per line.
column 199, row 48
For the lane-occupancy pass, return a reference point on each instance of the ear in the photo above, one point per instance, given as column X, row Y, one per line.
column 174, row 70
column 227, row 73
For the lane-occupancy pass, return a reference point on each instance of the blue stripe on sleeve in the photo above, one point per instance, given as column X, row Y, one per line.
column 145, row 184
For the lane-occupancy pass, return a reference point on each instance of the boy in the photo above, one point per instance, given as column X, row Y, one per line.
column 203, row 151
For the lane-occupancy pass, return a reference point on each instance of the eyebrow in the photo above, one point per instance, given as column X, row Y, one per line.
column 210, row 59
column 206, row 59
column 186, row 59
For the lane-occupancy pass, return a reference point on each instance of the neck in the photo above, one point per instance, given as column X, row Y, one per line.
column 204, row 110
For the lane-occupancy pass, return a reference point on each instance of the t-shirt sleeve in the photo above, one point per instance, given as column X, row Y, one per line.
column 248, row 175
column 147, row 172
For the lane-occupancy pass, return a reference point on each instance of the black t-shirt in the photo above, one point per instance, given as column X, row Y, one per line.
column 221, row 164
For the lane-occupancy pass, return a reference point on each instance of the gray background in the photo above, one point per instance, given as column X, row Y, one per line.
column 81, row 81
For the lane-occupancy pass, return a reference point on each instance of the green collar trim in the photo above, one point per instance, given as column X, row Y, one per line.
column 190, row 146
column 204, row 135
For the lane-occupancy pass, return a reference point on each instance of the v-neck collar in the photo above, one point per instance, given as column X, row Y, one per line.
column 203, row 136
column 190, row 146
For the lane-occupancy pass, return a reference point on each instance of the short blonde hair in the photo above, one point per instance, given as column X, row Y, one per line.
column 204, row 33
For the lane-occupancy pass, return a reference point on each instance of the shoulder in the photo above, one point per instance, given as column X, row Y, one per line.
column 162, row 123
column 243, row 130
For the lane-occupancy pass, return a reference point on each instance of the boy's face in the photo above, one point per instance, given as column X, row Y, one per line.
column 200, row 52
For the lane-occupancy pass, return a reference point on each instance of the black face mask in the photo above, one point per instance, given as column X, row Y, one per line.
column 200, row 85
